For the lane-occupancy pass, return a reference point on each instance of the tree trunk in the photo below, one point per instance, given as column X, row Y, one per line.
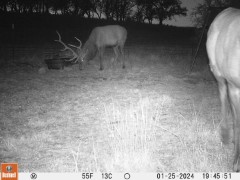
column 149, row 21
column 99, row 14
column 160, row 21
column 5, row 8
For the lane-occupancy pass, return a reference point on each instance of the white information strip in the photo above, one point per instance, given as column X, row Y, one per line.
column 129, row 176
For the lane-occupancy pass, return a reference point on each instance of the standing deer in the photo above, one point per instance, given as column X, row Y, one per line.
column 223, row 48
column 101, row 37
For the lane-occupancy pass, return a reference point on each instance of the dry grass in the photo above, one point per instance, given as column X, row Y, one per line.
column 131, row 131
column 152, row 116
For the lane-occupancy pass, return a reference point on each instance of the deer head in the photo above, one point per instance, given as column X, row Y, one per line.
column 78, row 54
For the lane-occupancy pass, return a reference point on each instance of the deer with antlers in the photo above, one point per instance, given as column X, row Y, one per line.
column 101, row 37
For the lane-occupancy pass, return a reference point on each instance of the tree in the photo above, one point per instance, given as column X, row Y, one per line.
column 61, row 6
column 42, row 6
column 13, row 5
column 26, row 6
column 166, row 9
column 3, row 5
column 86, row 7
column 75, row 7
column 160, row 9
column 108, row 8
column 139, row 15
column 98, row 7
column 148, row 11
column 119, row 10
column 200, row 12
column 123, row 9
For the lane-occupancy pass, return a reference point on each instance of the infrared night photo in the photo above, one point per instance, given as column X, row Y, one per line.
column 120, row 86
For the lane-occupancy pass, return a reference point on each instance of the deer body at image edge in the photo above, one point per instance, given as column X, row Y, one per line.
column 101, row 37
column 223, row 48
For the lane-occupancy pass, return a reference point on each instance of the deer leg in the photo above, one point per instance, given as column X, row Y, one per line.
column 123, row 56
column 80, row 65
column 234, row 93
column 116, row 52
column 100, row 52
column 222, row 86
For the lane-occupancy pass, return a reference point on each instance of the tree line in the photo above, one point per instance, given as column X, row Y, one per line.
column 118, row 10
column 200, row 12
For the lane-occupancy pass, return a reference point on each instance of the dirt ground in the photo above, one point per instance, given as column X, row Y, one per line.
column 57, row 121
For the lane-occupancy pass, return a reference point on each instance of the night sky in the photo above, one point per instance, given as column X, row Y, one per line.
column 184, row 21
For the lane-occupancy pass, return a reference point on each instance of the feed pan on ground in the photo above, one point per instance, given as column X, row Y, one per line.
column 57, row 63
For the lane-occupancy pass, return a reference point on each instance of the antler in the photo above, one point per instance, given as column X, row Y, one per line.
column 75, row 55
column 80, row 45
